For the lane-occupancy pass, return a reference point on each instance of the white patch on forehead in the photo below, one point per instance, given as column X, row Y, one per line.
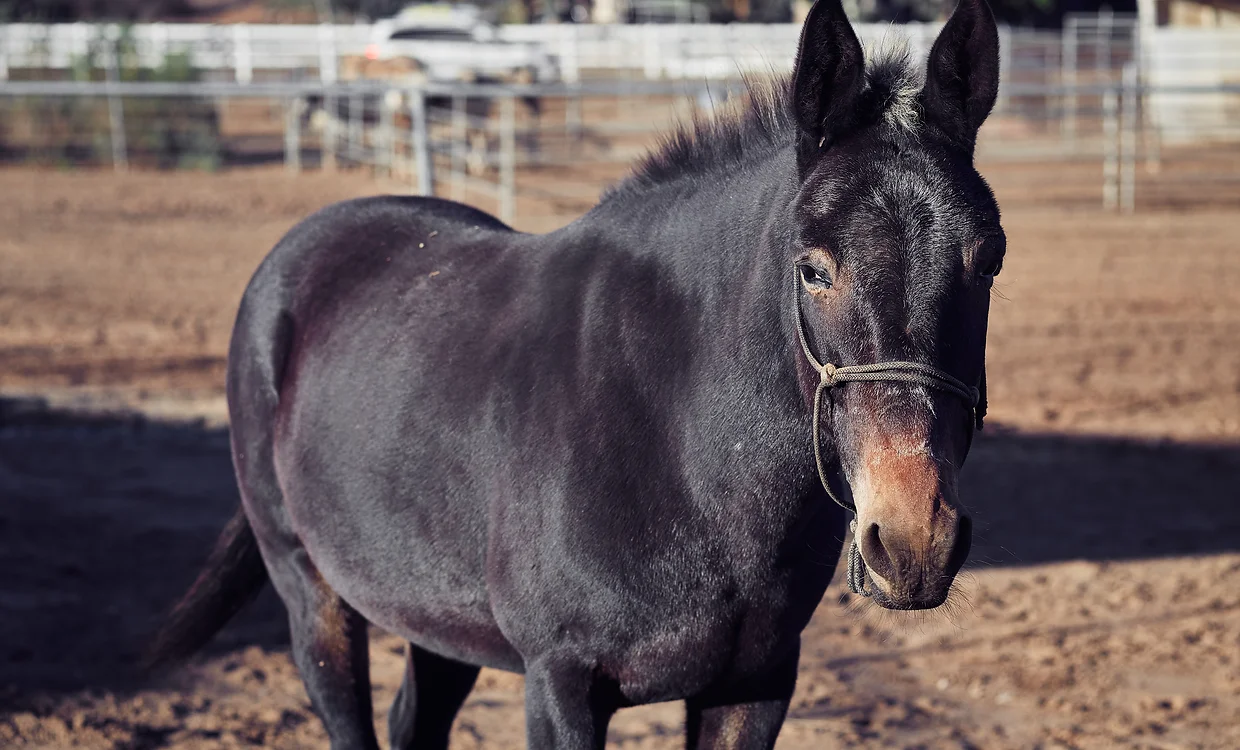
column 922, row 395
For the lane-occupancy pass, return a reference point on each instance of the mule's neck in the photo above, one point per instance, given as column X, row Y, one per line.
column 745, row 395
column 718, row 233
column 723, row 236
column 722, row 240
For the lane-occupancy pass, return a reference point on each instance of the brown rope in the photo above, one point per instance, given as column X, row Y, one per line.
column 829, row 376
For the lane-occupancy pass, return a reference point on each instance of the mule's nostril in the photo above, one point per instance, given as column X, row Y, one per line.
column 876, row 555
column 960, row 549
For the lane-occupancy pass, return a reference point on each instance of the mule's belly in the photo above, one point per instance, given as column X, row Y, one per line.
column 408, row 573
column 388, row 520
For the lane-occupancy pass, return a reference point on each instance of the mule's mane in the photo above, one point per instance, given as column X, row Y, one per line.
column 764, row 122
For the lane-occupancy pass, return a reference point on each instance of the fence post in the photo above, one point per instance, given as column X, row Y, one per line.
column 357, row 126
column 327, row 75
column 456, row 158
column 385, row 149
column 79, row 44
column 1151, row 134
column 5, row 36
column 1128, row 140
column 507, row 159
column 423, row 170
column 116, row 108
column 571, row 75
column 243, row 58
column 1110, row 150
column 572, row 118
column 1005, row 65
column 1067, row 65
column 653, row 63
column 571, row 52
column 292, row 135
column 328, row 136
column 1105, row 34
column 327, row 53
column 159, row 44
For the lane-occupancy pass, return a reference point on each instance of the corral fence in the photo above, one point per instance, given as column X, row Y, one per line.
column 1129, row 119
column 470, row 140
column 1089, row 45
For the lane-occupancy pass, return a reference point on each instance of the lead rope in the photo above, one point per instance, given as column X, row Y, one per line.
column 830, row 376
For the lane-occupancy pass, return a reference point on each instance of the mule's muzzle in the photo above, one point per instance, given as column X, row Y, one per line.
column 915, row 571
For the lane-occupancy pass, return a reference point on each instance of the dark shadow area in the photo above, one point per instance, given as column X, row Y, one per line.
column 1038, row 498
column 105, row 520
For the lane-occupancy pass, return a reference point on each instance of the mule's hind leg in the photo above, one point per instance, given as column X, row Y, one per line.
column 430, row 696
column 330, row 650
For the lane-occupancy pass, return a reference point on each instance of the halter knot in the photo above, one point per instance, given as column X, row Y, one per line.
column 828, row 374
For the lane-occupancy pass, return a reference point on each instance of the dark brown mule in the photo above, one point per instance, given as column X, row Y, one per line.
column 587, row 456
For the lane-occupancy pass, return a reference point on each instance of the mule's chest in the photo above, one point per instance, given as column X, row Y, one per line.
column 718, row 649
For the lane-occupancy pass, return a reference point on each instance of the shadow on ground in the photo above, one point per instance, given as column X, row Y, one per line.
column 105, row 520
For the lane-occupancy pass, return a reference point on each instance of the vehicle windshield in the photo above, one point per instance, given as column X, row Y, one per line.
column 438, row 35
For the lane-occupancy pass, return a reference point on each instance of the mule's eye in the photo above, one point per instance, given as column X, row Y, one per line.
column 991, row 267
column 814, row 276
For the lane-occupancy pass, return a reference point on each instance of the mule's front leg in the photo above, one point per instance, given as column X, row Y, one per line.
column 743, row 721
column 566, row 707
column 739, row 726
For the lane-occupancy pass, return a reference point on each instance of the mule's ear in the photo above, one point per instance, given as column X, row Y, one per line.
column 962, row 78
column 828, row 80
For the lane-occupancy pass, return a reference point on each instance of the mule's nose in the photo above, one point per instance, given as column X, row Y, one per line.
column 916, row 573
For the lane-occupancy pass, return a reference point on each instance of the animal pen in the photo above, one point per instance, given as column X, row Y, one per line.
column 1127, row 120
column 471, row 140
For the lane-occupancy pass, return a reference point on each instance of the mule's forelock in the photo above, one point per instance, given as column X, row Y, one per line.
column 895, row 82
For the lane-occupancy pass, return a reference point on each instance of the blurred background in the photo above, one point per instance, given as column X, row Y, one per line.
column 152, row 152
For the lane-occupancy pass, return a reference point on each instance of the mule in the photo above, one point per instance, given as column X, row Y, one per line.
column 589, row 456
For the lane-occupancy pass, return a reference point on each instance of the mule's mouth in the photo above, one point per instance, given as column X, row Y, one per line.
column 881, row 598
column 897, row 586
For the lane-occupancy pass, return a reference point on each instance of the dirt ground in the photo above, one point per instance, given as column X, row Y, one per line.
column 1100, row 609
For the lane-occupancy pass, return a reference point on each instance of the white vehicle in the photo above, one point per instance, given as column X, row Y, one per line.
column 453, row 43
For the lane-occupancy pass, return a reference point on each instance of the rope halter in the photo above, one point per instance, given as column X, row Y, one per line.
column 830, row 376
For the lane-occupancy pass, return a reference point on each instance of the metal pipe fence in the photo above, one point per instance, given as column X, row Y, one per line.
column 1091, row 48
column 508, row 143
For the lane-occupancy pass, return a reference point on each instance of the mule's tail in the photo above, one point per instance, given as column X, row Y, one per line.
column 231, row 578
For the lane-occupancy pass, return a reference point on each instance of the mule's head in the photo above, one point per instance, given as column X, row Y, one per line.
column 897, row 242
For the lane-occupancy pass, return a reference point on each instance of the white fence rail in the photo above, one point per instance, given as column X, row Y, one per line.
column 1091, row 49
column 655, row 51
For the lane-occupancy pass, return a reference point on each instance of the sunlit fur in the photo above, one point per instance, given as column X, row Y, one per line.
column 763, row 121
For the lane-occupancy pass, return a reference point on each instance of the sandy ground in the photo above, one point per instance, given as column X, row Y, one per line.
column 1101, row 607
